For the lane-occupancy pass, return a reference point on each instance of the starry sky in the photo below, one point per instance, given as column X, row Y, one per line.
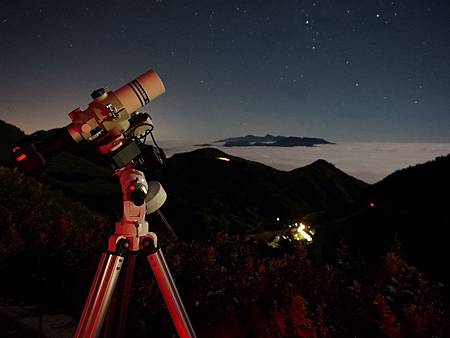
column 375, row 71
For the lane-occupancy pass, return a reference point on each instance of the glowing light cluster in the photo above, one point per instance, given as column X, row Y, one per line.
column 302, row 232
column 295, row 232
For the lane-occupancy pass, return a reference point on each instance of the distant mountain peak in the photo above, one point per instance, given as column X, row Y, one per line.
column 271, row 141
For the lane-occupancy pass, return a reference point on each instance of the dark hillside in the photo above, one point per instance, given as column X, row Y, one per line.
column 208, row 194
column 414, row 203
column 411, row 206
column 329, row 186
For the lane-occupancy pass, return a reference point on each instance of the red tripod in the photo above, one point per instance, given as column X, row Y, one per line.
column 130, row 237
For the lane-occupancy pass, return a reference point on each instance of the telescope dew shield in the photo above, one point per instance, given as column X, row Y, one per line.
column 140, row 91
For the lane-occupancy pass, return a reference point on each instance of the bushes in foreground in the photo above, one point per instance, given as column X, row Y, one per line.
column 50, row 245
column 231, row 290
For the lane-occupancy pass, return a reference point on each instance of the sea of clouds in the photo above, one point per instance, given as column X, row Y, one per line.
column 369, row 162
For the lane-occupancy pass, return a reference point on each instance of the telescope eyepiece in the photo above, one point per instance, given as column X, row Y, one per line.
column 31, row 155
column 27, row 158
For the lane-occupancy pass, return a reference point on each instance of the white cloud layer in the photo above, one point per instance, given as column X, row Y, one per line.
column 369, row 162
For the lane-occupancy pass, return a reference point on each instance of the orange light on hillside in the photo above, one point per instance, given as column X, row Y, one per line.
column 226, row 159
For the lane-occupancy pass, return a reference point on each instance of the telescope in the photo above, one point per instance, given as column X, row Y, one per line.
column 106, row 121
column 111, row 122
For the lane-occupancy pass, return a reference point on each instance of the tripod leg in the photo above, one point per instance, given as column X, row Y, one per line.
column 126, row 295
column 170, row 293
column 99, row 296
column 117, row 315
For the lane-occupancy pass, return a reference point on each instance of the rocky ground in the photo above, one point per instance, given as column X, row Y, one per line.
column 25, row 321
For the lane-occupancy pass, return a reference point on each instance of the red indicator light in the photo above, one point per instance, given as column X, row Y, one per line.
column 372, row 205
column 132, row 188
column 21, row 157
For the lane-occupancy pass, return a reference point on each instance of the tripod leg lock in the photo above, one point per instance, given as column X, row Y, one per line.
column 148, row 246
column 122, row 248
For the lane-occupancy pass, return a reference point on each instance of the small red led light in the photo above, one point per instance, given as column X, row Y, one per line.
column 372, row 205
column 21, row 157
column 132, row 188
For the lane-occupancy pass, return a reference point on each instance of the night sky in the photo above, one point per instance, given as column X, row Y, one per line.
column 341, row 70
